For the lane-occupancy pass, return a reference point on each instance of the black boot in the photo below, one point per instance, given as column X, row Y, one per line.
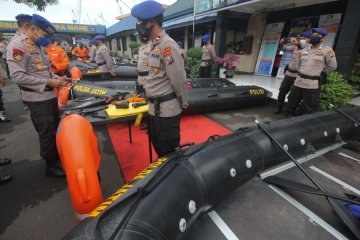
column 5, row 179
column 55, row 172
column 4, row 161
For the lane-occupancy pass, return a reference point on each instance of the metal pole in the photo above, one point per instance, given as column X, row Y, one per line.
column 193, row 35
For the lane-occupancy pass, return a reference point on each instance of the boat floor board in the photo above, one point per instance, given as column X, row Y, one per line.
column 255, row 211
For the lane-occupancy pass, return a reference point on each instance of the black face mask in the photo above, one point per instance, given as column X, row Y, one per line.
column 143, row 31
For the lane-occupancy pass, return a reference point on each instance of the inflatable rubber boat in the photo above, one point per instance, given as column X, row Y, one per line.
column 124, row 71
column 204, row 95
column 242, row 186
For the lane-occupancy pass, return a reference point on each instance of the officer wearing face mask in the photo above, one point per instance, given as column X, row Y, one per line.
column 208, row 57
column 290, row 70
column 311, row 62
column 103, row 58
column 165, row 83
column 30, row 69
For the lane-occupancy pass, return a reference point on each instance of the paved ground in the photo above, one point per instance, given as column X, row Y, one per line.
column 35, row 207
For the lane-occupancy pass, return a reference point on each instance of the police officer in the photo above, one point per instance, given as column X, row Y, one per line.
column 208, row 56
column 3, row 115
column 30, row 69
column 92, row 50
column 295, row 47
column 142, row 66
column 311, row 62
column 80, row 52
column 24, row 23
column 103, row 58
column 165, row 85
column 183, row 52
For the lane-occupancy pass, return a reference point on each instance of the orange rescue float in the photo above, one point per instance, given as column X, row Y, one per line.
column 79, row 153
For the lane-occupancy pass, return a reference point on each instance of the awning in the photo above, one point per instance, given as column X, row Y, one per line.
column 187, row 20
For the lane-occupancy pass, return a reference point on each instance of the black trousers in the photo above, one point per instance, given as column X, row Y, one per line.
column 284, row 89
column 310, row 99
column 164, row 134
column 1, row 101
column 205, row 72
column 45, row 117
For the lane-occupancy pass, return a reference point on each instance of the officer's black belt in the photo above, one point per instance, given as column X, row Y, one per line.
column 309, row 77
column 163, row 98
column 292, row 71
column 101, row 64
column 143, row 74
column 47, row 89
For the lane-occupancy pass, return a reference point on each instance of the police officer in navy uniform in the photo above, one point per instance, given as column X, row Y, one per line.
column 103, row 58
column 30, row 69
column 165, row 84
column 208, row 57
column 290, row 70
column 311, row 62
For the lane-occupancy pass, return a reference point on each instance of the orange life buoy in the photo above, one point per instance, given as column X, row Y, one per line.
column 79, row 153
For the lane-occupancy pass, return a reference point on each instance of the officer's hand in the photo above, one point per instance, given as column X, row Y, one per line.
column 2, row 82
column 55, row 83
column 186, row 105
column 113, row 74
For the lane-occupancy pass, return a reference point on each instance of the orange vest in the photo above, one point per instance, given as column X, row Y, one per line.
column 58, row 58
column 80, row 52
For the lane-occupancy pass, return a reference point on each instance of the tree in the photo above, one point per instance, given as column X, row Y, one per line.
column 40, row 5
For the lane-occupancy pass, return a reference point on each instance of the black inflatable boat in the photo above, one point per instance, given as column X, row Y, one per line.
column 205, row 95
column 124, row 71
column 183, row 195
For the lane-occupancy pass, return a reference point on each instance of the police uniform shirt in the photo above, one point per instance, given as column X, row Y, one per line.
column 29, row 67
column 92, row 52
column 2, row 73
column 311, row 62
column 208, row 53
column 143, row 58
column 166, row 75
column 103, row 56
column 293, row 63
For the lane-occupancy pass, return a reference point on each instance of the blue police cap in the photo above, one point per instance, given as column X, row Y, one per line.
column 306, row 34
column 179, row 43
column 147, row 10
column 99, row 37
column 206, row 37
column 23, row 18
column 43, row 24
column 92, row 41
column 320, row 31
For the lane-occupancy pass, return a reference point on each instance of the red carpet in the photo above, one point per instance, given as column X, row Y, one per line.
column 134, row 157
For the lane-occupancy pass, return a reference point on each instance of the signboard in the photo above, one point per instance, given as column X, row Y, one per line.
column 299, row 25
column 285, row 60
column 202, row 6
column 331, row 23
column 61, row 27
column 269, row 48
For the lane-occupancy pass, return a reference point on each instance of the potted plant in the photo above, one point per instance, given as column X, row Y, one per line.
column 229, row 62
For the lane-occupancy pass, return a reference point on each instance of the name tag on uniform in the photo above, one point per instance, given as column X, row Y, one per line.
column 156, row 55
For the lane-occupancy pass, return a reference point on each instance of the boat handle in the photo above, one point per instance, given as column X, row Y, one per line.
column 212, row 95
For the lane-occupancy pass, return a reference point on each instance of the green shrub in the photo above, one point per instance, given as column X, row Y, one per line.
column 336, row 92
column 194, row 53
column 133, row 45
column 135, row 51
column 194, row 65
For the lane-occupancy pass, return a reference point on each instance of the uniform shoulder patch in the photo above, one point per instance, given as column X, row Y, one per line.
column 166, row 52
column 331, row 53
column 18, row 54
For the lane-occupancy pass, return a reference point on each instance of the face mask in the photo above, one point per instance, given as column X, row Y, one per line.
column 302, row 42
column 42, row 41
column 315, row 40
column 143, row 31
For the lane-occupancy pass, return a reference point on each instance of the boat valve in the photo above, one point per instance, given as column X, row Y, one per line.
column 233, row 172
